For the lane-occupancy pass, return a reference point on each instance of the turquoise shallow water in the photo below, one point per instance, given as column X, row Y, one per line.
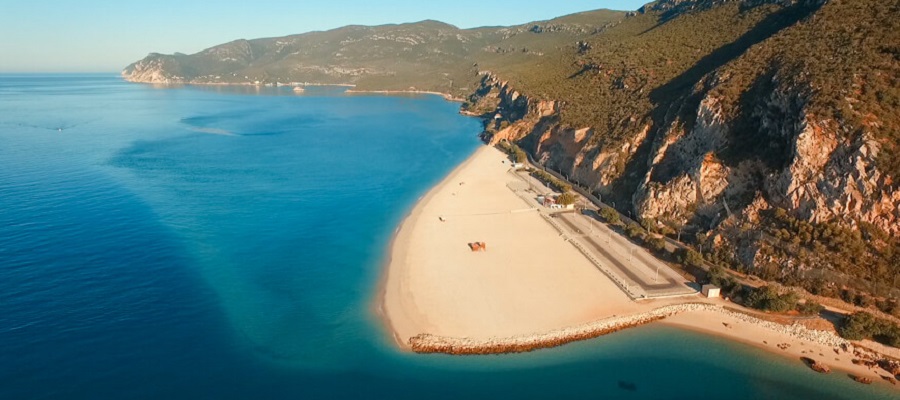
column 225, row 243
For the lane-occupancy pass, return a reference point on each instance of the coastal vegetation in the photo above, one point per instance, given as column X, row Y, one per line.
column 767, row 298
column 566, row 199
column 515, row 152
column 555, row 183
column 609, row 215
column 866, row 251
column 863, row 325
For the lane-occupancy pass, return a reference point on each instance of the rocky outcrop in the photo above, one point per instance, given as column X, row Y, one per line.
column 684, row 172
column 816, row 365
column 708, row 175
column 536, row 125
column 155, row 68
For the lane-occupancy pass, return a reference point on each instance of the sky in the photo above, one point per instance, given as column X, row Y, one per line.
column 107, row 35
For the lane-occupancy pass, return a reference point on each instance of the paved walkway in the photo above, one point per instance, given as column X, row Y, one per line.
column 637, row 272
column 632, row 263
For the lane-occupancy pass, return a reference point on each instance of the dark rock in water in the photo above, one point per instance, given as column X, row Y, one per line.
column 862, row 379
column 816, row 366
column 630, row 386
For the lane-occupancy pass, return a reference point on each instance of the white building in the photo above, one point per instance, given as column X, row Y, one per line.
column 710, row 291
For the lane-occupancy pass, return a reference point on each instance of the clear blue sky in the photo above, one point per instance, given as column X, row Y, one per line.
column 106, row 35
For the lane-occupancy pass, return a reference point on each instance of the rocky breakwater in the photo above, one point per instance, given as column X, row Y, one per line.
column 795, row 330
column 427, row 343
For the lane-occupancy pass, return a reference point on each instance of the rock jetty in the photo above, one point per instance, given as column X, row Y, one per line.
column 428, row 343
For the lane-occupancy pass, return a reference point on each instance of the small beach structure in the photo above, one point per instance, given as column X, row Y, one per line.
column 478, row 246
column 548, row 201
column 710, row 291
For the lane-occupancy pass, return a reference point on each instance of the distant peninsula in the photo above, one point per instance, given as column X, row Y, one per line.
column 426, row 56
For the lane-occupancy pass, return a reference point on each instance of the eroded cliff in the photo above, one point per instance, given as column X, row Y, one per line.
column 753, row 155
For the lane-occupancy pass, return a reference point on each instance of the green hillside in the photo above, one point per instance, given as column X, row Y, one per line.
column 427, row 55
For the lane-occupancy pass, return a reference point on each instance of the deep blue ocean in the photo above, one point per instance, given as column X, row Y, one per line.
column 226, row 243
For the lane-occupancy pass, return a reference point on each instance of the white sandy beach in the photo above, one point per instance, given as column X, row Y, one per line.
column 530, row 284
column 529, row 279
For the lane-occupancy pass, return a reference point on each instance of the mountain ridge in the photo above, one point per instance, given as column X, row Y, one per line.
column 407, row 56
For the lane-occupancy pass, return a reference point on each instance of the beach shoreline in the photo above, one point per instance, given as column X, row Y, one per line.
column 410, row 217
column 839, row 359
column 408, row 298
column 433, row 282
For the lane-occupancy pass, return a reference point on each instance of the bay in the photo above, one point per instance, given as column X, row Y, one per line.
column 226, row 243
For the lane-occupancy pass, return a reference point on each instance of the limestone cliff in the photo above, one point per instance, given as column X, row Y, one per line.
column 719, row 156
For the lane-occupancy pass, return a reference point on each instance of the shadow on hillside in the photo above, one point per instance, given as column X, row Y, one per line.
column 765, row 29
column 675, row 98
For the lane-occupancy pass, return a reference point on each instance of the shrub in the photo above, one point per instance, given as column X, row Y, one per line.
column 634, row 231
column 858, row 326
column 566, row 199
column 648, row 225
column 767, row 298
column 730, row 286
column 657, row 244
column 810, row 308
column 551, row 180
column 610, row 215
column 862, row 300
column 520, row 156
column 862, row 325
column 690, row 257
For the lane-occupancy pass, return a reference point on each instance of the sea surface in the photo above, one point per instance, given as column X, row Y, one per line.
column 226, row 243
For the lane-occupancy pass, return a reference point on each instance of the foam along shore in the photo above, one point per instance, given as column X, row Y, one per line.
column 532, row 289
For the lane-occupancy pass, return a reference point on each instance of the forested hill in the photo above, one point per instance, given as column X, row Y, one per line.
column 765, row 130
column 427, row 55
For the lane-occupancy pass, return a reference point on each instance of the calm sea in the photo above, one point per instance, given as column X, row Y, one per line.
column 225, row 243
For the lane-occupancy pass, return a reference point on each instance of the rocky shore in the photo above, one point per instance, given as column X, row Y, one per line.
column 427, row 343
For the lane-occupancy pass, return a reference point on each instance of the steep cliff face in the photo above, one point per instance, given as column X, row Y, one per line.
column 815, row 172
column 536, row 125
column 719, row 157
column 810, row 168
